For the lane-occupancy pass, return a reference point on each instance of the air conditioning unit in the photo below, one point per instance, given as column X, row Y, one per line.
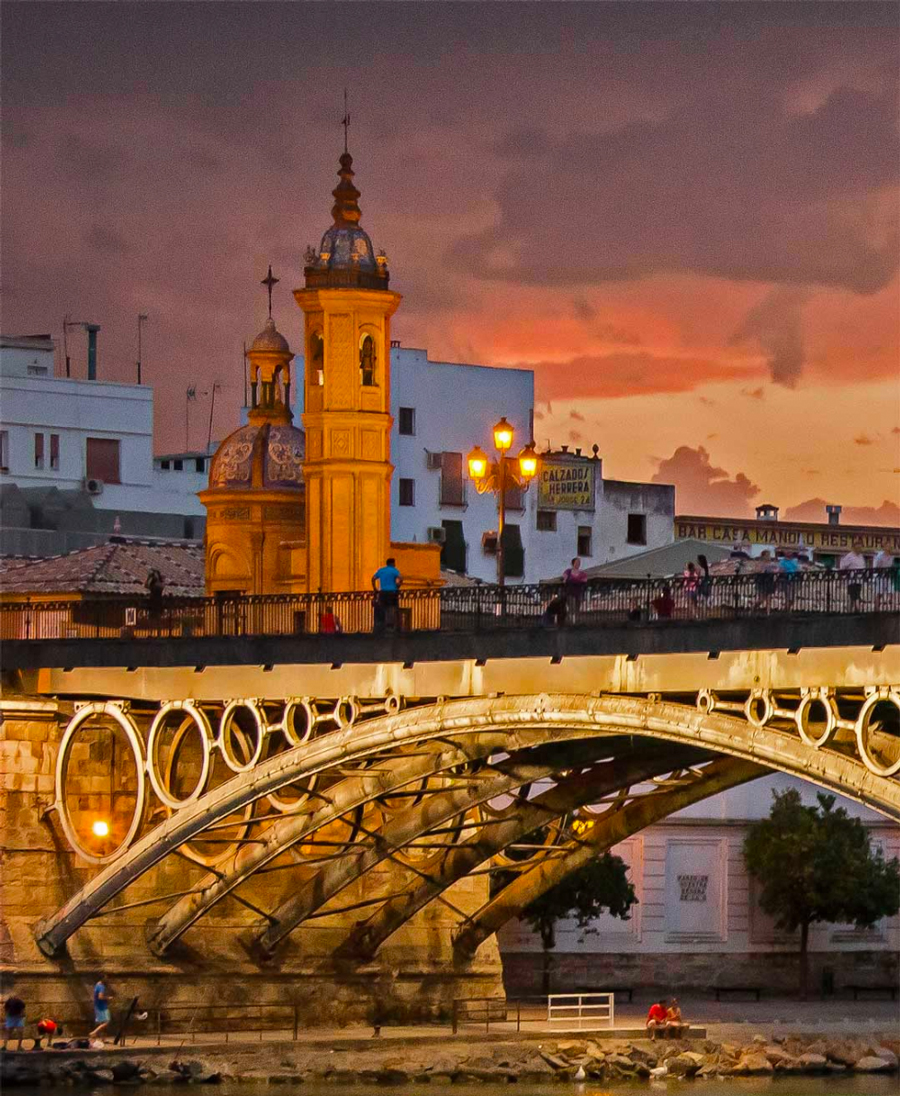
column 437, row 534
column 489, row 543
column 434, row 461
column 93, row 486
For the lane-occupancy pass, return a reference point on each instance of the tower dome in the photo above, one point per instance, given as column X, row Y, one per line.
column 346, row 256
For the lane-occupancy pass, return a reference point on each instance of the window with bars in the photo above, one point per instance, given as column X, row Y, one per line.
column 39, row 450
column 546, row 521
column 54, row 452
column 585, row 541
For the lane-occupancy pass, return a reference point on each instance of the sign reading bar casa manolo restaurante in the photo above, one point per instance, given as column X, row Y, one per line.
column 566, row 485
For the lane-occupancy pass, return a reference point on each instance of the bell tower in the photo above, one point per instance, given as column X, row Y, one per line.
column 347, row 308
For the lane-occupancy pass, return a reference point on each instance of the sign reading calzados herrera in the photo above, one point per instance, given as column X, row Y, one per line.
column 566, row 485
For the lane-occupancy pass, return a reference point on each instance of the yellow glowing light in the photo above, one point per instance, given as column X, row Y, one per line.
column 478, row 464
column 503, row 435
column 528, row 462
column 100, row 828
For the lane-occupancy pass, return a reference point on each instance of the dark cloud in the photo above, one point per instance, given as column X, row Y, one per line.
column 895, row 430
column 753, row 393
column 576, row 415
column 863, row 439
column 701, row 488
column 888, row 513
column 775, row 323
column 727, row 182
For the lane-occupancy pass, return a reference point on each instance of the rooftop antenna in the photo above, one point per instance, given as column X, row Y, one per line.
column 142, row 319
column 67, row 323
column 345, row 121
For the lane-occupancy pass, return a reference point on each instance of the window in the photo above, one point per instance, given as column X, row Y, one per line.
column 190, row 530
column 103, row 459
column 164, row 465
column 407, row 492
column 637, row 528
column 513, row 552
column 546, row 521
column 178, row 465
column 584, row 541
column 452, row 485
column 200, row 464
column 367, row 360
column 4, row 450
column 39, row 450
column 408, row 421
column 316, row 359
column 453, row 550
column 37, row 371
column 54, row 452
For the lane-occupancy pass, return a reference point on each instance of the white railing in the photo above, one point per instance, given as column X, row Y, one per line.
column 582, row 1011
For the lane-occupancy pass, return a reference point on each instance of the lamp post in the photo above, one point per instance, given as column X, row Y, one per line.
column 499, row 475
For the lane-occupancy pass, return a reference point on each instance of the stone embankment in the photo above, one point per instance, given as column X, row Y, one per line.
column 525, row 1061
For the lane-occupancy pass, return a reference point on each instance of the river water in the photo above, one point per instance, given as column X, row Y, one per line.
column 859, row 1085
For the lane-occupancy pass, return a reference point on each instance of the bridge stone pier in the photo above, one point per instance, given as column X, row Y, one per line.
column 345, row 832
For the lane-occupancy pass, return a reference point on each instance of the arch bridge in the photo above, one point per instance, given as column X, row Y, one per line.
column 367, row 796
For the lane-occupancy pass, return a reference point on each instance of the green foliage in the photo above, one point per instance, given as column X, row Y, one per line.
column 816, row 863
column 600, row 884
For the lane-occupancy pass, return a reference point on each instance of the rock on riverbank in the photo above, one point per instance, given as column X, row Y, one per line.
column 524, row 1060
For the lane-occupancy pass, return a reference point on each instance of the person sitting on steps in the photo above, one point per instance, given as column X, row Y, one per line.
column 656, row 1019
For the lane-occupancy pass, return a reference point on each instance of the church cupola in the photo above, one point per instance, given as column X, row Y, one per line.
column 255, row 497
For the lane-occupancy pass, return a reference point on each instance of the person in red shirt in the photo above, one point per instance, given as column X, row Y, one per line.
column 656, row 1018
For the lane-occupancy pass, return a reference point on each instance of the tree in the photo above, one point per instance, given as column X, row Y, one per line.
column 816, row 863
column 600, row 884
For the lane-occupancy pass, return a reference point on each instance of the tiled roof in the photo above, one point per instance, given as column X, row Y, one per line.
column 119, row 567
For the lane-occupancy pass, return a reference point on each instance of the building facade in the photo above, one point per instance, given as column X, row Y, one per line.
column 822, row 542
column 76, row 459
column 698, row 922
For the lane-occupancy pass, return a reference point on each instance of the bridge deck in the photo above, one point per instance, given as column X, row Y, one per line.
column 775, row 632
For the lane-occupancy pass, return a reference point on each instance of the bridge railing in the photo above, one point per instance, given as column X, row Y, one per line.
column 477, row 608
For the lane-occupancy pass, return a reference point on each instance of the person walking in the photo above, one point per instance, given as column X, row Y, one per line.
column 691, row 581
column 101, row 1007
column 386, row 583
column 881, row 567
column 574, row 585
column 13, row 1021
column 854, row 561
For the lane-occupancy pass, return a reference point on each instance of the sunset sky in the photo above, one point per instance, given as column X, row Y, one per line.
column 683, row 216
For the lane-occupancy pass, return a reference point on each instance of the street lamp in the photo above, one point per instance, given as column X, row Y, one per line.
column 499, row 475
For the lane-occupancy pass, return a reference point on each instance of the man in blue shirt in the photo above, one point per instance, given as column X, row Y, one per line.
column 101, row 1007
column 386, row 583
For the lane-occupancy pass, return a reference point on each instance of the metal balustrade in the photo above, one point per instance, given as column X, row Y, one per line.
column 464, row 609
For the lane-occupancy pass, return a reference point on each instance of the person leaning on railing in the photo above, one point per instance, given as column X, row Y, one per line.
column 854, row 560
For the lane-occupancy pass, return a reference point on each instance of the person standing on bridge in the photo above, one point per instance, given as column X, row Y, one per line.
column 386, row 583
column 574, row 585
column 854, row 561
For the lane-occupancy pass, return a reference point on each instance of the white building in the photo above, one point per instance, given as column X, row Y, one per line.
column 441, row 410
column 698, row 922
column 76, row 459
